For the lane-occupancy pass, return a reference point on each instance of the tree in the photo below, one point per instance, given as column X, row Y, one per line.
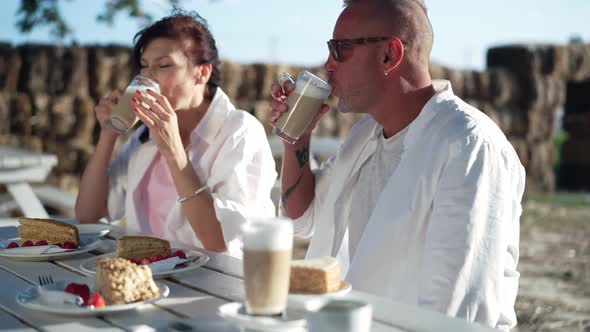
column 36, row 13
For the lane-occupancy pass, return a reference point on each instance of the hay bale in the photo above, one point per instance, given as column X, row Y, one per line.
column 525, row 60
column 34, row 74
column 231, row 74
column 578, row 62
column 10, row 64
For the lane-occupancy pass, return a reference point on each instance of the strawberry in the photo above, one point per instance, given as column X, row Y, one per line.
column 69, row 245
column 27, row 243
column 12, row 245
column 144, row 261
column 132, row 260
column 81, row 290
column 158, row 258
column 41, row 243
column 179, row 254
column 97, row 301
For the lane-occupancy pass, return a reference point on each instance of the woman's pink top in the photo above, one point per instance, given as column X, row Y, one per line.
column 159, row 193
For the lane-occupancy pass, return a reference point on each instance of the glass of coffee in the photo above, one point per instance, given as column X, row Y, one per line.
column 267, row 264
column 123, row 118
column 304, row 103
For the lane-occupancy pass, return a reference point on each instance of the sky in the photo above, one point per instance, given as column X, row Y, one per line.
column 295, row 31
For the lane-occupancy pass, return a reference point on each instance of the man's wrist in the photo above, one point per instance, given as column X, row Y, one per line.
column 303, row 141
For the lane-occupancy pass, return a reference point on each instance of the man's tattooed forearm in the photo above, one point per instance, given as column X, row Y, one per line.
column 289, row 191
column 302, row 155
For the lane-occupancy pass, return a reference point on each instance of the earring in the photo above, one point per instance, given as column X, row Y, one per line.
column 385, row 72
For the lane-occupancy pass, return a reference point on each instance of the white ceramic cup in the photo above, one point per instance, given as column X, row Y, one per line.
column 342, row 315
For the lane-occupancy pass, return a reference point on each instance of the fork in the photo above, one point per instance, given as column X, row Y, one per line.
column 45, row 280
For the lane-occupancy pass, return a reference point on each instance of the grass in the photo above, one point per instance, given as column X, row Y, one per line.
column 561, row 199
column 556, row 209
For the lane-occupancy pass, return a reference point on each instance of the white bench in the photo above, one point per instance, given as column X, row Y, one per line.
column 56, row 198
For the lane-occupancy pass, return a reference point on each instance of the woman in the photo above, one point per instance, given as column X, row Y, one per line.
column 197, row 167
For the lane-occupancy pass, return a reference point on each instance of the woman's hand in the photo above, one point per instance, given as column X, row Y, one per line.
column 154, row 110
column 104, row 109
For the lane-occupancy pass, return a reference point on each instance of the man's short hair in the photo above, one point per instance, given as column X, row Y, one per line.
column 409, row 19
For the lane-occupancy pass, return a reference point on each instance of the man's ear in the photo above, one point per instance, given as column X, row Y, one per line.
column 203, row 73
column 394, row 54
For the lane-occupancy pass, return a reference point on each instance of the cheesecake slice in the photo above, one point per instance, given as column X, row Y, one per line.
column 137, row 247
column 119, row 281
column 315, row 276
column 52, row 231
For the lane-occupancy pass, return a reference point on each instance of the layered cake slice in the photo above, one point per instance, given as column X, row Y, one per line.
column 315, row 276
column 120, row 281
column 138, row 247
column 52, row 231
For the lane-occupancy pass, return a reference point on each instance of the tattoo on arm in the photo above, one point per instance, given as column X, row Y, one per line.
column 289, row 191
column 302, row 155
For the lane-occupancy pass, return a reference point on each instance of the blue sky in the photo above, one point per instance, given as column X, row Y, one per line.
column 295, row 32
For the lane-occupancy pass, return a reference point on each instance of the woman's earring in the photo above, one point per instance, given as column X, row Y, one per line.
column 385, row 72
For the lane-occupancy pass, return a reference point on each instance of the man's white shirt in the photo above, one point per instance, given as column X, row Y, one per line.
column 444, row 231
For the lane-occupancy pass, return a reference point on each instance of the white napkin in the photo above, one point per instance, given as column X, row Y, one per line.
column 169, row 263
column 55, row 297
column 35, row 250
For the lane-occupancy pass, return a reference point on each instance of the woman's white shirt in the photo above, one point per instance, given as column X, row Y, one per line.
column 229, row 152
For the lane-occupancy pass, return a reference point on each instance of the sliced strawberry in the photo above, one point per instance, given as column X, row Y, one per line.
column 158, row 258
column 12, row 245
column 69, row 245
column 81, row 290
column 97, row 301
column 27, row 243
column 179, row 254
column 145, row 261
column 41, row 243
column 132, row 260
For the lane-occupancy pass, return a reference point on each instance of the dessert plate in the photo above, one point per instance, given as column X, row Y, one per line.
column 45, row 253
column 300, row 301
column 96, row 230
column 194, row 259
column 30, row 298
column 235, row 312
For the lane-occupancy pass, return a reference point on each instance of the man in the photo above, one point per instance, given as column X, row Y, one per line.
column 421, row 203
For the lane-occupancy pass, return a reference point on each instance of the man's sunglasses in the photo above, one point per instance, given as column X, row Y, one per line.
column 335, row 45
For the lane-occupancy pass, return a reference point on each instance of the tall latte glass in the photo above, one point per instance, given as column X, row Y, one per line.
column 123, row 118
column 304, row 103
column 267, row 265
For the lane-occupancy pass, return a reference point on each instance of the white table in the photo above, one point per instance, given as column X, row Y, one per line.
column 18, row 169
column 193, row 301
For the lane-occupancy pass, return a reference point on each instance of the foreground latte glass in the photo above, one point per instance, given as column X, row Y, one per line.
column 267, row 265
column 123, row 118
column 304, row 103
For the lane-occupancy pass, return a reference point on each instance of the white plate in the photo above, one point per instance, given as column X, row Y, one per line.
column 198, row 259
column 300, row 301
column 96, row 230
column 235, row 312
column 29, row 298
column 87, row 243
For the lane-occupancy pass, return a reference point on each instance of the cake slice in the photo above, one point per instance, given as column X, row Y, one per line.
column 52, row 231
column 120, row 281
column 137, row 247
column 315, row 276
